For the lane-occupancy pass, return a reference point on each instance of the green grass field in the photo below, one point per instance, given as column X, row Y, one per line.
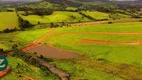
column 57, row 16
column 8, row 20
column 97, row 15
column 20, row 38
column 107, row 52
column 119, row 16
column 114, row 54
column 81, row 69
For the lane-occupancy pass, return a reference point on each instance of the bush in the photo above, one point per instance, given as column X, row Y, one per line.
column 110, row 22
column 140, row 20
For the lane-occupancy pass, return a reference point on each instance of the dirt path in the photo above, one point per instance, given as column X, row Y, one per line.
column 107, row 33
column 88, row 23
column 37, row 43
column 87, row 41
column 25, row 76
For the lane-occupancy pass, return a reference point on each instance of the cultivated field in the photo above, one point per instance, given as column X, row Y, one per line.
column 8, row 20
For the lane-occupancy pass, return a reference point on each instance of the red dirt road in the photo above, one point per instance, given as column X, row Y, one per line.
column 37, row 43
column 87, row 41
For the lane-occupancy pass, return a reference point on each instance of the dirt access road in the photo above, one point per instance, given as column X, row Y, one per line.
column 37, row 42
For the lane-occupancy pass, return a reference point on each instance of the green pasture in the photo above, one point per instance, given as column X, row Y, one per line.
column 111, row 53
column 21, row 38
column 8, row 20
column 97, row 15
column 114, row 54
column 119, row 16
column 57, row 16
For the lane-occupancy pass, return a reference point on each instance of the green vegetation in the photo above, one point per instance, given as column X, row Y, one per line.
column 71, row 8
column 107, row 52
column 111, row 53
column 24, row 69
column 97, row 15
column 57, row 16
column 21, row 38
column 8, row 20
column 119, row 16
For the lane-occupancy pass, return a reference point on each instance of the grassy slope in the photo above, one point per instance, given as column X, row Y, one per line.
column 26, row 69
column 8, row 20
column 97, row 15
column 58, row 16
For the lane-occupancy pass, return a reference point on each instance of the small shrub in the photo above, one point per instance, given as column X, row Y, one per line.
column 140, row 20
column 110, row 22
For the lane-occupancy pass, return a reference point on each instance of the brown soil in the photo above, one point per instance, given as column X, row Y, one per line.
column 3, row 73
column 87, row 41
column 51, row 52
column 108, row 33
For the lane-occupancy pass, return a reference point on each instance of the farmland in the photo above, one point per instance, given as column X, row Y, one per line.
column 10, row 20
column 71, row 40
column 67, row 38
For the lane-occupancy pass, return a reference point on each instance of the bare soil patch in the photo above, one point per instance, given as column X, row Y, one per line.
column 51, row 52
column 87, row 41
